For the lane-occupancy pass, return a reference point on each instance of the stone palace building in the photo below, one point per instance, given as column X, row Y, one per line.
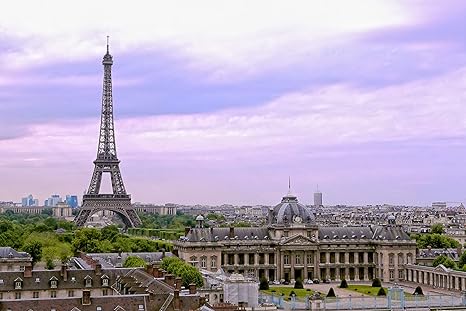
column 292, row 246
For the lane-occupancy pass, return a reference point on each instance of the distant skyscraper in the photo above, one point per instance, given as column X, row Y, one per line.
column 53, row 200
column 72, row 200
column 29, row 201
column 318, row 197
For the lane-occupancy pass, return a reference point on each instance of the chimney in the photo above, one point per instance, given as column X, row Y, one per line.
column 178, row 283
column 64, row 272
column 28, row 271
column 192, row 289
column 186, row 231
column 98, row 268
column 170, row 280
column 232, row 233
column 202, row 301
column 150, row 269
column 176, row 300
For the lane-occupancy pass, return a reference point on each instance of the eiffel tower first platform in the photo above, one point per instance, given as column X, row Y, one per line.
column 107, row 161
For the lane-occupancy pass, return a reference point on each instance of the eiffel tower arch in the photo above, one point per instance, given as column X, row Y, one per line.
column 107, row 162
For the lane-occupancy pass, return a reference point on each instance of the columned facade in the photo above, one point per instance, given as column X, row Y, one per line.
column 293, row 247
column 439, row 277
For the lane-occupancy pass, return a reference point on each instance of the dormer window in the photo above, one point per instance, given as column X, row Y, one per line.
column 88, row 281
column 18, row 283
column 37, row 280
column 53, row 282
column 73, row 279
column 104, row 280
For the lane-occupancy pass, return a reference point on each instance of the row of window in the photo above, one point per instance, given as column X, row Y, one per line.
column 392, row 274
column 203, row 261
column 53, row 294
column 298, row 259
column 53, row 282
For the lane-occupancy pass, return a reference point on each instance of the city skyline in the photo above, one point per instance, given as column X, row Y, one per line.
column 220, row 104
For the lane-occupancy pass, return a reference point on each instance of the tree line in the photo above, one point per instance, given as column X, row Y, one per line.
column 50, row 240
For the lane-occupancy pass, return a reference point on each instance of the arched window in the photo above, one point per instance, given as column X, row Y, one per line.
column 193, row 261
column 203, row 262
column 298, row 259
column 401, row 260
column 213, row 262
column 391, row 259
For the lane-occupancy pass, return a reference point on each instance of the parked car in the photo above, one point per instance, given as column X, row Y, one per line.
column 316, row 281
column 326, row 281
column 276, row 282
column 286, row 283
column 309, row 281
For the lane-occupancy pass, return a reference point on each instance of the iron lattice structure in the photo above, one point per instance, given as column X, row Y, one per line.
column 107, row 161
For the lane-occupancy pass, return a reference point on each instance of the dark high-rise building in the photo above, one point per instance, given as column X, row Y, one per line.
column 317, row 198
column 72, row 200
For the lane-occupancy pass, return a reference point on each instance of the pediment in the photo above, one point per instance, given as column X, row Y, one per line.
column 441, row 268
column 299, row 240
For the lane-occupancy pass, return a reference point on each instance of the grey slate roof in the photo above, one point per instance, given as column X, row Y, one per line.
column 223, row 234
column 109, row 260
column 325, row 234
column 8, row 252
column 341, row 233
column 389, row 233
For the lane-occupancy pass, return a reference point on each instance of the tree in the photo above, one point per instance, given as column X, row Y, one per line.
column 376, row 283
column 418, row 291
column 86, row 240
column 134, row 262
column 343, row 284
column 264, row 284
column 34, row 248
column 110, row 233
column 178, row 267
column 462, row 260
column 381, row 292
column 444, row 260
column 435, row 240
column 298, row 284
column 437, row 228
column 331, row 292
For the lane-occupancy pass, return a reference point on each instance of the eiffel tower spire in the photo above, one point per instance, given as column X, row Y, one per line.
column 107, row 161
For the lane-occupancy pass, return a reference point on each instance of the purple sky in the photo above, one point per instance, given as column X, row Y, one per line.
column 221, row 103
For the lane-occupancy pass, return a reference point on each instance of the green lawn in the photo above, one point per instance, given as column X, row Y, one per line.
column 287, row 290
column 365, row 289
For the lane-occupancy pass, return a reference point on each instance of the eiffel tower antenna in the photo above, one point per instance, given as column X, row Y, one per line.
column 118, row 202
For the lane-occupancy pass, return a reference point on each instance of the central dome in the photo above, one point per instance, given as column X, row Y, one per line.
column 289, row 211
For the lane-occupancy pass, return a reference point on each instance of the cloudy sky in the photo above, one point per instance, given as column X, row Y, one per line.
column 220, row 101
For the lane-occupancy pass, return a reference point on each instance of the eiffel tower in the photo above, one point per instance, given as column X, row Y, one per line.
column 107, row 161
